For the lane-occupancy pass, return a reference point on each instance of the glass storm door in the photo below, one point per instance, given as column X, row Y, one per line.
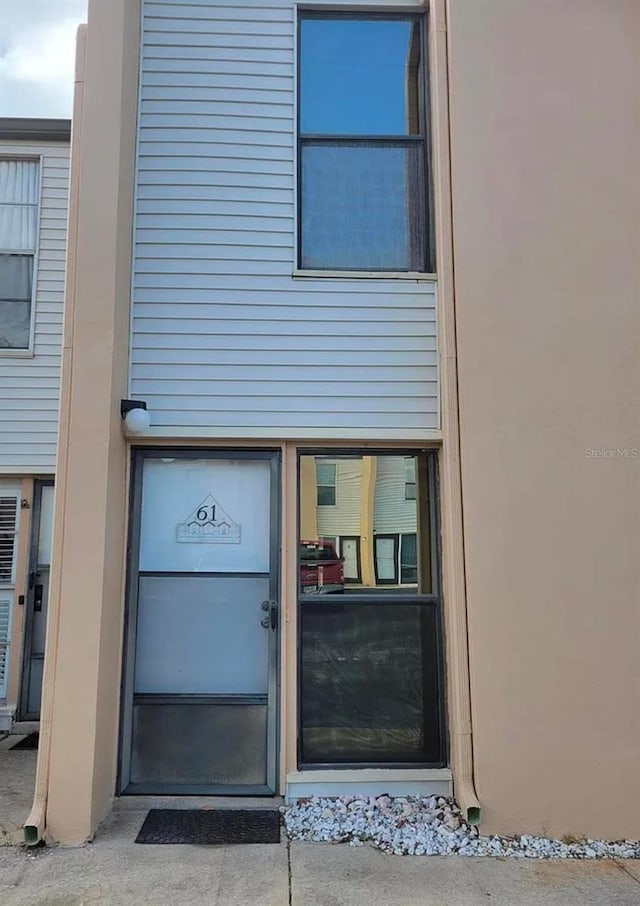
column 201, row 661
column 36, row 601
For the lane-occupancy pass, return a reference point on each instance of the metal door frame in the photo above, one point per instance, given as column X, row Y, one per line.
column 27, row 637
column 387, row 536
column 138, row 457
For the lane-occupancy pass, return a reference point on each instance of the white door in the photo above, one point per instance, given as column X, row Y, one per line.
column 203, row 644
column 349, row 548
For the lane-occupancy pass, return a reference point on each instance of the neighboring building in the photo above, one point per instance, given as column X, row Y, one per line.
column 267, row 200
column 383, row 537
column 34, row 198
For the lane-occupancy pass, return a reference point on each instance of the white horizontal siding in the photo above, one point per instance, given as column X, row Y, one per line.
column 30, row 386
column 344, row 517
column 392, row 513
column 225, row 340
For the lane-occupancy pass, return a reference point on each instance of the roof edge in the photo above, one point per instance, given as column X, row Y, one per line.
column 22, row 129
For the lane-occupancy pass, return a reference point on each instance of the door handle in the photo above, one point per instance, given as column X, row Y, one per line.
column 37, row 598
column 270, row 618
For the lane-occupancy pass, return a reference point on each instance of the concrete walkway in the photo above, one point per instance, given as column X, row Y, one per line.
column 17, row 778
column 114, row 871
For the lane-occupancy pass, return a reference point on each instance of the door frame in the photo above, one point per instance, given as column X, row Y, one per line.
column 138, row 457
column 23, row 712
column 386, row 536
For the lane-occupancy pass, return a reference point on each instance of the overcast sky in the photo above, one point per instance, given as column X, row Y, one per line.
column 37, row 56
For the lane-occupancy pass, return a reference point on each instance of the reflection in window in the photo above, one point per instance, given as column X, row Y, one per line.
column 326, row 483
column 408, row 558
column 375, row 515
column 409, row 478
column 370, row 682
column 359, row 76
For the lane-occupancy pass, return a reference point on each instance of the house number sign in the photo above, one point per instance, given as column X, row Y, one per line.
column 209, row 523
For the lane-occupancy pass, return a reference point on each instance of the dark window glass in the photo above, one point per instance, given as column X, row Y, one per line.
column 362, row 206
column 16, row 282
column 359, row 76
column 369, row 686
column 326, row 483
column 408, row 558
column 326, row 496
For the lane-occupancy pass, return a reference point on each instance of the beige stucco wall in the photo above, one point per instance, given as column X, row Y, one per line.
column 546, row 209
column 84, row 639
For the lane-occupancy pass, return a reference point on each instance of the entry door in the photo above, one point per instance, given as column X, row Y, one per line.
column 36, row 602
column 350, row 553
column 386, row 562
column 201, row 671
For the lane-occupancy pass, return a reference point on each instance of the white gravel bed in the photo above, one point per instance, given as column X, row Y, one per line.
column 428, row 826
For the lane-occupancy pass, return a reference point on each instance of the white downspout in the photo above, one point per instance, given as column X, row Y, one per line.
column 35, row 825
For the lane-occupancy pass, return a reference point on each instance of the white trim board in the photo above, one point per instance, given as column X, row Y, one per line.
column 369, row 782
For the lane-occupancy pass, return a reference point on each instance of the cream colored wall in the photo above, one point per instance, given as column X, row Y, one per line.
column 84, row 637
column 546, row 211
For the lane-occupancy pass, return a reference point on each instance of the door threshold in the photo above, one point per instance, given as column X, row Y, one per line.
column 141, row 803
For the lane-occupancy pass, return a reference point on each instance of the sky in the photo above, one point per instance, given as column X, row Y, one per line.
column 37, row 56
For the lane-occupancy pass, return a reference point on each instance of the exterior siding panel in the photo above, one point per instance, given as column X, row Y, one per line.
column 31, row 384
column 225, row 340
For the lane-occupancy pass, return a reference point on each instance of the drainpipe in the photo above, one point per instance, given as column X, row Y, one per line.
column 35, row 825
column 453, row 566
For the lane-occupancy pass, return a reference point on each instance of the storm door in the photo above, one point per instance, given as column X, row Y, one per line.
column 36, row 602
column 201, row 656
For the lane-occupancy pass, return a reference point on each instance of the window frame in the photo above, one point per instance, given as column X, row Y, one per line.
column 433, row 599
column 423, row 138
column 333, row 486
column 410, row 486
column 394, row 537
column 28, row 351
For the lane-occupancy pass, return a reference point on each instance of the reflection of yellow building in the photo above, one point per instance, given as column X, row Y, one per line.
column 369, row 511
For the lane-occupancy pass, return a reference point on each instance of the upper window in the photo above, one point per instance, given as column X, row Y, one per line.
column 18, row 232
column 409, row 478
column 362, row 144
column 326, row 483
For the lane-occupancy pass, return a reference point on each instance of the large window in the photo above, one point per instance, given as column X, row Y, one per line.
column 362, row 143
column 370, row 640
column 18, row 233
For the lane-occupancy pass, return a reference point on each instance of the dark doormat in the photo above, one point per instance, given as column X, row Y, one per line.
column 210, row 826
column 27, row 742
